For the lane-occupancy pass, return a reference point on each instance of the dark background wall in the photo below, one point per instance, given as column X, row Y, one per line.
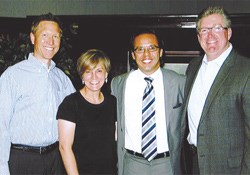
column 23, row 8
column 107, row 25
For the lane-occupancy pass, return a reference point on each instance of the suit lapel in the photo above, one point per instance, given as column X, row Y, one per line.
column 192, row 74
column 122, row 85
column 167, row 92
column 218, row 83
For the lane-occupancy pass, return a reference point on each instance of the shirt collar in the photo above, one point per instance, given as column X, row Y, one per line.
column 220, row 60
column 37, row 62
column 154, row 75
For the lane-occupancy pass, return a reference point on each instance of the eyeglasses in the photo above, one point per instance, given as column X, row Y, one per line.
column 215, row 29
column 151, row 48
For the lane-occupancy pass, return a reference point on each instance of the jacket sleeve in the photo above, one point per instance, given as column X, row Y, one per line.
column 246, row 108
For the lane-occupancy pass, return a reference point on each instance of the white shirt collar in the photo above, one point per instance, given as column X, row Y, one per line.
column 220, row 60
column 154, row 75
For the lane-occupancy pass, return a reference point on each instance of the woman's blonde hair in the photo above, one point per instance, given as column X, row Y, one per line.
column 90, row 59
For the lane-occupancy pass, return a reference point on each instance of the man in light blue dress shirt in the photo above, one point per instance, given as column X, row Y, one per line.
column 30, row 93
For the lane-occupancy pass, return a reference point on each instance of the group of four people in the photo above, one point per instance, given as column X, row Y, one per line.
column 156, row 122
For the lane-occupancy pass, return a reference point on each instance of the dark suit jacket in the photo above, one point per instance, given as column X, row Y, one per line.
column 173, row 94
column 223, row 138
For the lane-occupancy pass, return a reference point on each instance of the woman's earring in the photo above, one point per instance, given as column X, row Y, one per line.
column 106, row 80
column 82, row 81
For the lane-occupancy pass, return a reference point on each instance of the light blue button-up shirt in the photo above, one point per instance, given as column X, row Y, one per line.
column 30, row 94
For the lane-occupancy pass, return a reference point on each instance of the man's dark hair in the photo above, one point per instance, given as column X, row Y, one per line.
column 145, row 31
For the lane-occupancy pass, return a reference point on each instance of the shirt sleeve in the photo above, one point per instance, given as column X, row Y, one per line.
column 68, row 109
column 67, row 84
column 69, row 88
column 112, row 104
column 7, row 99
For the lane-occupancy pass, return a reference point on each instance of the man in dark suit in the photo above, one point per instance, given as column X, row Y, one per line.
column 217, row 101
column 128, row 89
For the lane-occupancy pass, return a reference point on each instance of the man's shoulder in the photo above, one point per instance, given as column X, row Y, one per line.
column 17, row 66
column 243, row 59
column 118, row 83
column 240, row 63
column 59, row 70
column 173, row 78
column 241, row 66
column 20, row 64
column 171, row 73
column 120, row 77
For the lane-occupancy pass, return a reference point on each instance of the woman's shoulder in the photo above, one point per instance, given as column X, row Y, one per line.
column 110, row 98
column 72, row 97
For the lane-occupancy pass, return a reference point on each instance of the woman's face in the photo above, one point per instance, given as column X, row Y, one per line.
column 95, row 78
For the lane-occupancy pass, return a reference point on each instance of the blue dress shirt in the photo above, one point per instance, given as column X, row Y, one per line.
column 30, row 94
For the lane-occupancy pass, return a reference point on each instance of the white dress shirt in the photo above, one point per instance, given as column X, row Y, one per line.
column 200, row 90
column 135, row 86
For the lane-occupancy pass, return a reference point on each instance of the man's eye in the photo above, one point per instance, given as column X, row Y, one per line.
column 218, row 28
column 204, row 30
column 140, row 49
column 152, row 47
column 56, row 37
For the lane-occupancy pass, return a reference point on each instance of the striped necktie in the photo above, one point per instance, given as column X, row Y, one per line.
column 149, row 145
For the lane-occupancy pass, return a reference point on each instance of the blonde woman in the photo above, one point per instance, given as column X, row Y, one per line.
column 87, row 120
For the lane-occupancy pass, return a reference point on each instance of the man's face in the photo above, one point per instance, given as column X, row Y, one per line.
column 46, row 40
column 214, row 42
column 147, row 53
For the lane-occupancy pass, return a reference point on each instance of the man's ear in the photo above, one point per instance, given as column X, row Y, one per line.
column 133, row 55
column 32, row 38
column 229, row 33
column 198, row 37
column 161, row 52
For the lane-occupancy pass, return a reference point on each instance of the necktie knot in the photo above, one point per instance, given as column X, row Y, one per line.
column 149, row 80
